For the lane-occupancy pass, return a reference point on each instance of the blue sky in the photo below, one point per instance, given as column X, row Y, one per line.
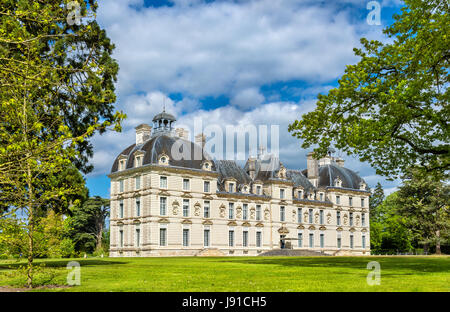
column 231, row 63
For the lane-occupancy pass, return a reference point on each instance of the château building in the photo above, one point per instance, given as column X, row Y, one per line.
column 162, row 205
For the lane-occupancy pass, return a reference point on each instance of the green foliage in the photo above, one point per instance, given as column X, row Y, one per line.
column 391, row 109
column 12, row 237
column 376, row 198
column 88, row 225
column 56, row 92
column 424, row 202
column 388, row 231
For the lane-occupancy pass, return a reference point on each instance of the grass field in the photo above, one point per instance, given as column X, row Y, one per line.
column 195, row 274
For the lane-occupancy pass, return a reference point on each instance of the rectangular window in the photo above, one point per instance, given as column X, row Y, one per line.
column 206, row 237
column 245, row 238
column 351, row 241
column 350, row 201
column 338, row 200
column 363, row 242
column 186, row 184
column 230, row 211
column 163, row 182
column 321, row 196
column 185, row 207
column 185, row 237
column 258, row 239
column 121, row 186
column 322, row 240
column 138, row 237
column 339, row 242
column 282, row 214
column 162, row 237
column 138, row 161
column 363, row 219
column 231, row 187
column 362, row 202
column 338, row 217
column 206, row 186
column 310, row 216
column 162, row 206
column 311, row 240
column 299, row 215
column 321, row 216
column 258, row 190
column 245, row 211
column 300, row 194
column 351, row 218
column 282, row 193
column 121, row 238
column 300, row 239
column 138, row 183
column 121, row 208
column 231, row 238
column 258, row 212
column 206, row 208
column 138, row 207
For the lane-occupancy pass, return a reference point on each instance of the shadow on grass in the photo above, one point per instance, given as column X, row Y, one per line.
column 61, row 263
column 417, row 265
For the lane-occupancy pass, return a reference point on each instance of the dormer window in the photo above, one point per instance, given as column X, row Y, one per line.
column 362, row 186
column 321, row 196
column 245, row 189
column 122, row 162
column 338, row 182
column 164, row 160
column 300, row 194
column 258, row 190
column 231, row 187
column 282, row 193
column 207, row 166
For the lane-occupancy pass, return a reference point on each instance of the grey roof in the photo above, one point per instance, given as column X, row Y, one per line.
column 164, row 144
column 165, row 116
column 349, row 178
column 299, row 179
column 230, row 169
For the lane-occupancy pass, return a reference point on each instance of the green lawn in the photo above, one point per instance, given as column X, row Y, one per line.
column 196, row 274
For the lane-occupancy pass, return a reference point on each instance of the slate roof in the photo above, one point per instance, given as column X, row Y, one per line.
column 163, row 144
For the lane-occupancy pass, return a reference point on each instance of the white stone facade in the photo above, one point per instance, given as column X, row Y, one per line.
column 163, row 210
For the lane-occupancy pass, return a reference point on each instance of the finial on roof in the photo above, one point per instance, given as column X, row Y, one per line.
column 164, row 104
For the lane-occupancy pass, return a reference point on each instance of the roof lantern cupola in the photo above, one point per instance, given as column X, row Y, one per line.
column 163, row 123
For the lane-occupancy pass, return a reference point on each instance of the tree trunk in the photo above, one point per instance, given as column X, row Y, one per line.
column 100, row 237
column 425, row 248
column 30, row 255
column 438, row 242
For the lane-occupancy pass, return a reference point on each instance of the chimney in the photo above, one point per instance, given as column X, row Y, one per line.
column 200, row 139
column 182, row 133
column 312, row 165
column 340, row 162
column 143, row 132
column 251, row 167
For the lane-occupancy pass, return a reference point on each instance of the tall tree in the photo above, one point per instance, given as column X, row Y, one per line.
column 424, row 201
column 376, row 198
column 56, row 91
column 88, row 224
column 392, row 107
column 388, row 230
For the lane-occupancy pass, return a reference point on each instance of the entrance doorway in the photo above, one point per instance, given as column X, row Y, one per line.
column 282, row 241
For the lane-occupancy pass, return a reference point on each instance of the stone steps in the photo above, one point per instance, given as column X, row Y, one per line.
column 210, row 252
column 292, row 253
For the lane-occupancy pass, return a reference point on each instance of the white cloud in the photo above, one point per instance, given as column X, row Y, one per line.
column 213, row 49
column 247, row 98
column 229, row 48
